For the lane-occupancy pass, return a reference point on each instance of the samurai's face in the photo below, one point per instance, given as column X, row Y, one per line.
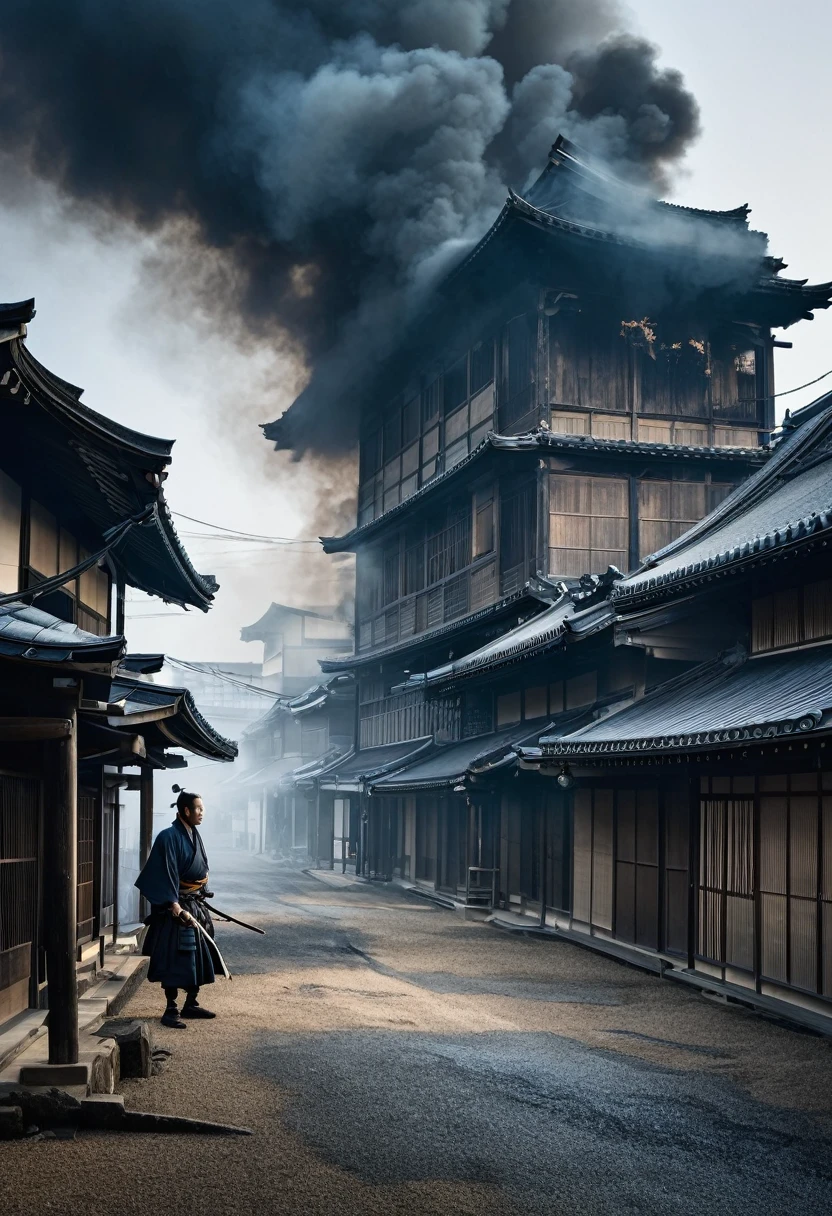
column 193, row 815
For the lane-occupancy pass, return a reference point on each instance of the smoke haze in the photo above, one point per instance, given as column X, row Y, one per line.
column 335, row 155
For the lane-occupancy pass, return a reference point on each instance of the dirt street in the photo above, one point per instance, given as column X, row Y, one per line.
column 393, row 1058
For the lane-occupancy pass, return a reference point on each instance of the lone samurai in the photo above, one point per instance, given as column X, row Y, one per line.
column 174, row 881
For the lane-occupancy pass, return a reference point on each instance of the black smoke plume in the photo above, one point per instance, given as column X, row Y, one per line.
column 337, row 153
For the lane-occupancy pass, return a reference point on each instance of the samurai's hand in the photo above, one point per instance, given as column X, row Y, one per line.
column 183, row 916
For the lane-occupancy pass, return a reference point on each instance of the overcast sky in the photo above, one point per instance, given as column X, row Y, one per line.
column 761, row 74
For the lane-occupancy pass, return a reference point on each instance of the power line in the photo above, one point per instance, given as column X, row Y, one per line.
column 151, row 616
column 808, row 384
column 227, row 677
column 248, row 535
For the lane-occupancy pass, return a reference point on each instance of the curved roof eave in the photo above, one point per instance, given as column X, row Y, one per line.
column 186, row 727
column 65, row 398
column 139, row 452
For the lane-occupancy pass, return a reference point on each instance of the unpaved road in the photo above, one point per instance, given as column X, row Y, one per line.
column 393, row 1058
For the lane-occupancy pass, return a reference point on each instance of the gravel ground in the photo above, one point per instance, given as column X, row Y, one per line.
column 393, row 1058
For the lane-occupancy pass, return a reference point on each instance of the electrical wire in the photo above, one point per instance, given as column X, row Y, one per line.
column 227, row 677
column 787, row 391
column 280, row 540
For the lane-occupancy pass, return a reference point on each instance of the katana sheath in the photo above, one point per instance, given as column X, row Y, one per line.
column 234, row 921
column 191, row 920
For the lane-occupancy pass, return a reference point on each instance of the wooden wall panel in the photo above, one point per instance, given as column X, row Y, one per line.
column 588, row 364
column 588, row 524
column 582, row 856
column 670, row 385
column 10, row 518
column 676, row 877
column 817, row 610
column 602, row 859
column 666, row 509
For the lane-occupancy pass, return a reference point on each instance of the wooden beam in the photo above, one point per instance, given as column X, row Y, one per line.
column 145, row 819
column 33, row 730
column 60, row 875
column 115, row 861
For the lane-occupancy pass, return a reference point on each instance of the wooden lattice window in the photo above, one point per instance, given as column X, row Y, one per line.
column 726, row 882
column 791, row 617
column 483, row 522
column 86, row 863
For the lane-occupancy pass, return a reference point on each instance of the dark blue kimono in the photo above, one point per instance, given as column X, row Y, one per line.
column 180, row 957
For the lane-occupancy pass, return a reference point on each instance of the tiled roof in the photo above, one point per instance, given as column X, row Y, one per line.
column 358, row 767
column 574, row 200
column 734, row 700
column 180, row 723
column 450, row 762
column 273, row 773
column 13, row 317
column 109, row 472
column 567, row 615
column 27, row 632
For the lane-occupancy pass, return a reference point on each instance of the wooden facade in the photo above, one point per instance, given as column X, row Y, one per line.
column 275, row 794
column 82, row 516
column 569, row 407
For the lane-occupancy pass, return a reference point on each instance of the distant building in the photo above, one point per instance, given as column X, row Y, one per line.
column 277, row 808
column 294, row 641
column 231, row 696
column 259, row 809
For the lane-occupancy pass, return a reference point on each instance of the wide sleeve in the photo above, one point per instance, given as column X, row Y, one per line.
column 159, row 880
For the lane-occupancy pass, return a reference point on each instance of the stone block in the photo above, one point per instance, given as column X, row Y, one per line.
column 54, row 1074
column 104, row 1066
column 11, row 1123
column 135, row 1045
column 103, row 1111
column 43, row 1107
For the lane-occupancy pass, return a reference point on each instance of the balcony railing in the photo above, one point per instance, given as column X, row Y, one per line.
column 456, row 596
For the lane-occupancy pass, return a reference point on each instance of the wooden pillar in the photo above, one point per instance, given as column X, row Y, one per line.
column 145, row 822
column 362, row 861
column 543, row 812
column 60, row 872
column 115, row 859
column 99, row 860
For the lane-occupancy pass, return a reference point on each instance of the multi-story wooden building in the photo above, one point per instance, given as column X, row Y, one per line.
column 277, row 806
column 305, row 724
column 294, row 641
column 82, row 516
column 594, row 378
column 702, row 812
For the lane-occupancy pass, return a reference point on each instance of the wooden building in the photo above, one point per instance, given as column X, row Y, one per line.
column 82, row 516
column 593, row 379
column 294, row 641
column 702, row 812
column 281, row 751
